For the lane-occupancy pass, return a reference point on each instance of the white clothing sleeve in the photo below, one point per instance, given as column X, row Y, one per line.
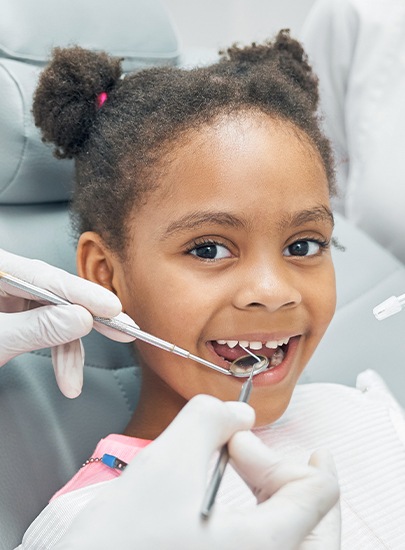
column 357, row 49
column 54, row 521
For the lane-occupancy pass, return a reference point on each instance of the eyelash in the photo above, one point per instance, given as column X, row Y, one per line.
column 323, row 245
column 201, row 243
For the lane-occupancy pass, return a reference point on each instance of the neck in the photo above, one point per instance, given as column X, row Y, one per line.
column 157, row 407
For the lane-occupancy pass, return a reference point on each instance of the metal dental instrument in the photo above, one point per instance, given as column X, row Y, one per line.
column 242, row 366
column 223, row 458
column 236, row 369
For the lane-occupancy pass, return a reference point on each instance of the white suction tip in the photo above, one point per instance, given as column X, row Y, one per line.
column 387, row 308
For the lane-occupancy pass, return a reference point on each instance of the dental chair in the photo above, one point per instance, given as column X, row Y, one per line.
column 44, row 437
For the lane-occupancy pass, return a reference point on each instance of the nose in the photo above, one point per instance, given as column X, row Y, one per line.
column 267, row 285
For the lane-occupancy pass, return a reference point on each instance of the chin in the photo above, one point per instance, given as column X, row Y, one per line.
column 269, row 412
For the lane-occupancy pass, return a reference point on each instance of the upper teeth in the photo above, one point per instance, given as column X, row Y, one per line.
column 271, row 344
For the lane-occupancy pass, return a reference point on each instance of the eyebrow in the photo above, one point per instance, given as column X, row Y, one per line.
column 317, row 214
column 194, row 220
column 197, row 219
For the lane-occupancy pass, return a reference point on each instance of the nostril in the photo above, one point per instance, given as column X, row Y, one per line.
column 259, row 305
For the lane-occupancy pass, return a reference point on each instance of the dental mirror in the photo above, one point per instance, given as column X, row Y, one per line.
column 243, row 366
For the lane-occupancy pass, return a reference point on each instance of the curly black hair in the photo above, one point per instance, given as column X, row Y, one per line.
column 120, row 147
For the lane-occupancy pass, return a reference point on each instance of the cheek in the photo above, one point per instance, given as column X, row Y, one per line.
column 165, row 303
column 322, row 297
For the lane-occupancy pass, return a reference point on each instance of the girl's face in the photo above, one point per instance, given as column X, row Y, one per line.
column 232, row 247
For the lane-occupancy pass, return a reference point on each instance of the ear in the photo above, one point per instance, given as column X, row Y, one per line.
column 96, row 262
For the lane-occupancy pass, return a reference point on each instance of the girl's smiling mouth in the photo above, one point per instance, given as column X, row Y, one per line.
column 227, row 351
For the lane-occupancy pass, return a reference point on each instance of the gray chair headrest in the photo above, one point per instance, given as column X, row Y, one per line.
column 140, row 32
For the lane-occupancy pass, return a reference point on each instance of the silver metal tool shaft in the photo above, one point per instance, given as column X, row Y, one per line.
column 157, row 342
column 223, row 459
column 50, row 297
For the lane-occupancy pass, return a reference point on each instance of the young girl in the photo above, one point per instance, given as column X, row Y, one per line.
column 202, row 201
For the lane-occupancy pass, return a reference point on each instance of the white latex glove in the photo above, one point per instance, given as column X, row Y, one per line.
column 27, row 326
column 156, row 503
column 299, row 495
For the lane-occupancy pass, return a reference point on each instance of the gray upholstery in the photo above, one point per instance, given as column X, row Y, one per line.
column 139, row 31
column 44, row 437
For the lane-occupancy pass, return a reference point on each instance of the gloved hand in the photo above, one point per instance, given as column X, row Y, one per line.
column 26, row 325
column 299, row 495
column 156, row 503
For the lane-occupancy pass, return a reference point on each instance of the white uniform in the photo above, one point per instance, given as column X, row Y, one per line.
column 357, row 48
column 363, row 427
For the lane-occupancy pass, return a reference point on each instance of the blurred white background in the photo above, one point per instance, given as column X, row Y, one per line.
column 219, row 23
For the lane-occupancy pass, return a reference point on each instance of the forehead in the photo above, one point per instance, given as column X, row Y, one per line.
column 248, row 163
column 249, row 146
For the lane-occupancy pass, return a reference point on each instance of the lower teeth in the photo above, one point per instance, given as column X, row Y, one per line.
column 276, row 358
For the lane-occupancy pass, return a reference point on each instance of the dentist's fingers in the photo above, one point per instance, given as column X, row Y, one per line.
column 68, row 363
column 288, row 493
column 98, row 300
column 327, row 534
column 271, row 473
column 42, row 327
column 26, row 325
column 58, row 327
column 115, row 334
column 95, row 298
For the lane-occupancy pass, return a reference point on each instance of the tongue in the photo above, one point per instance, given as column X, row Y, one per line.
column 230, row 354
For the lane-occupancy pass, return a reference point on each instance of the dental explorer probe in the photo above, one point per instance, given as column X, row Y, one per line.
column 223, row 458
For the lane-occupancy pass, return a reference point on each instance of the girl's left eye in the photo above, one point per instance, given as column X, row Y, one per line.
column 304, row 248
column 210, row 251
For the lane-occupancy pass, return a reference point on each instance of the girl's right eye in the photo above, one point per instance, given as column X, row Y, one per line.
column 210, row 251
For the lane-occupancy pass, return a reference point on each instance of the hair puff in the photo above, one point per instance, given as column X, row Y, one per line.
column 65, row 101
column 284, row 52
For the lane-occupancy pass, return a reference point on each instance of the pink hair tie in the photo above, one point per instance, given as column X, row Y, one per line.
column 101, row 98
